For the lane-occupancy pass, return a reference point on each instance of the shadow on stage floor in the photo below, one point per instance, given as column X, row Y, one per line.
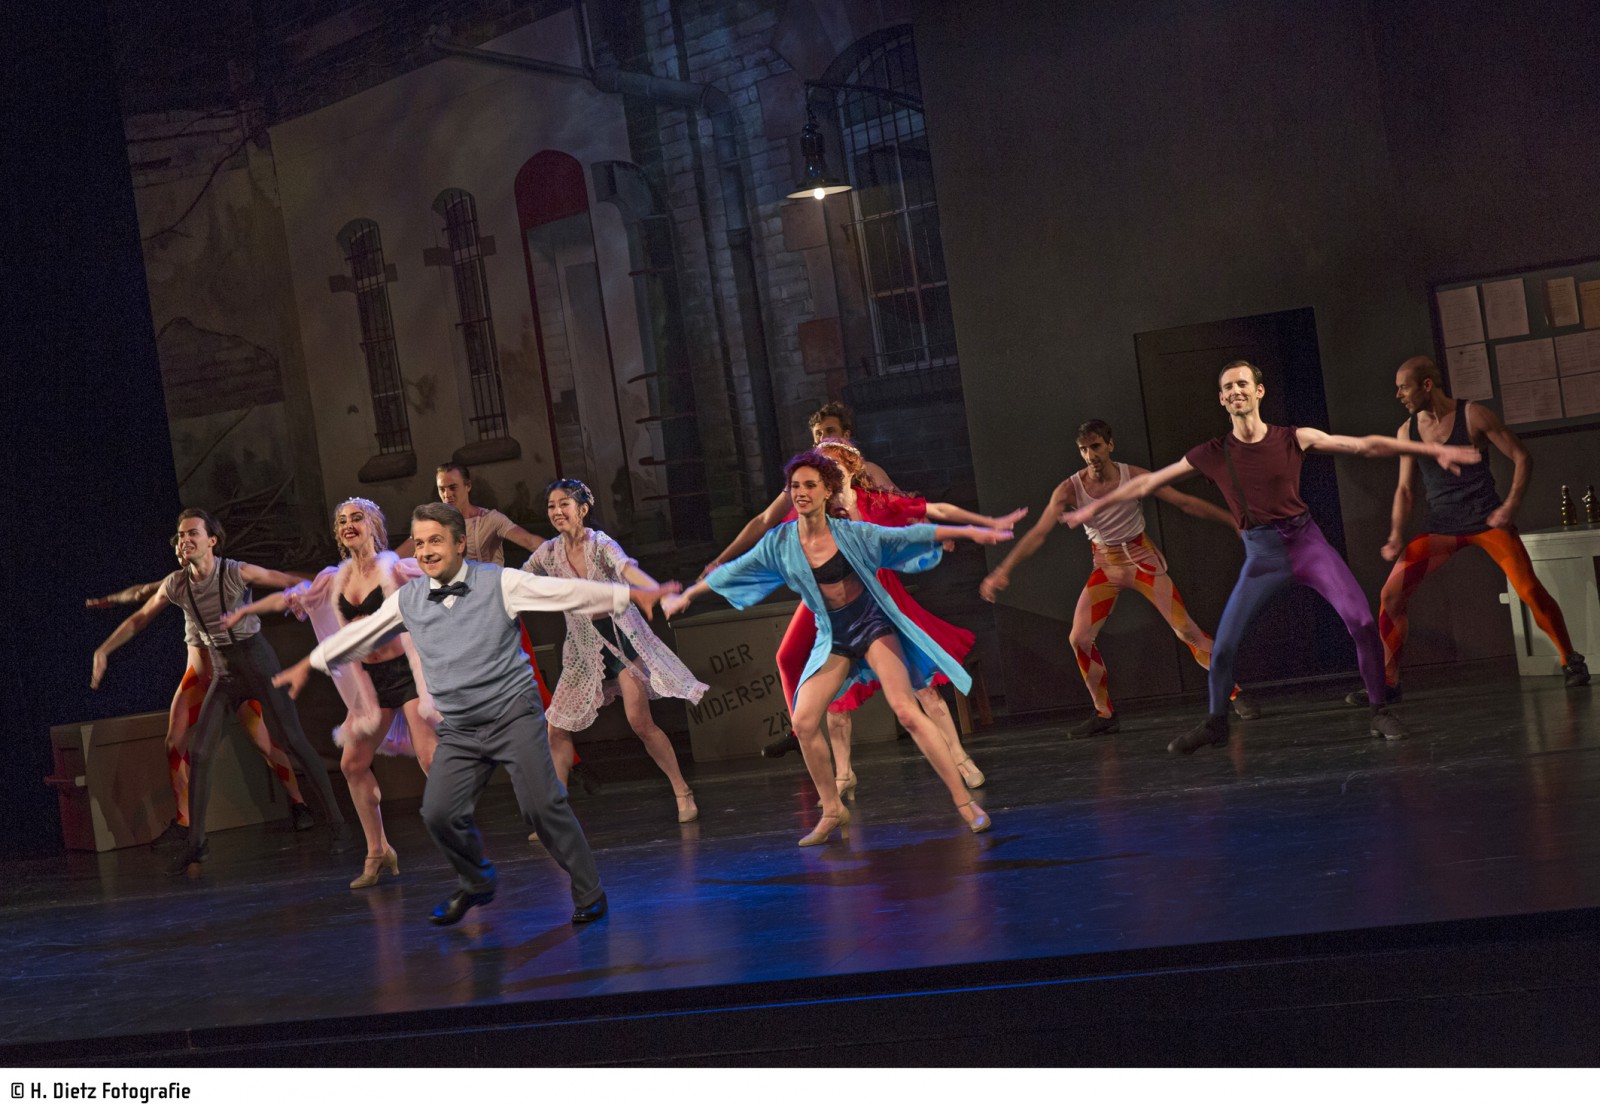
column 1304, row 895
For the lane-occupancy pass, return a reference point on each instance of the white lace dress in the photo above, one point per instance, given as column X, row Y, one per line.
column 583, row 690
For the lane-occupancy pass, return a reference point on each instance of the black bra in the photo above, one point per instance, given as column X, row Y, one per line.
column 369, row 605
column 836, row 570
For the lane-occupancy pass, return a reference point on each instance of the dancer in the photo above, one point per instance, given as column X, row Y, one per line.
column 487, row 530
column 462, row 619
column 861, row 501
column 1257, row 468
column 1125, row 558
column 185, row 710
column 388, row 702
column 861, row 634
column 1462, row 510
column 605, row 657
column 206, row 588
column 886, row 505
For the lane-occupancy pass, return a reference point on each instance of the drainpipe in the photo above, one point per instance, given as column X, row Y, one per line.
column 741, row 240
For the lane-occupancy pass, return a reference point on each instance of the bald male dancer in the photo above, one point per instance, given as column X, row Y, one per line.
column 1463, row 510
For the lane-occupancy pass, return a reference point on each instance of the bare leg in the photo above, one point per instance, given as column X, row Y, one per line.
column 356, row 763
column 636, row 701
column 561, row 751
column 841, row 727
column 887, row 662
column 938, row 712
column 424, row 740
column 811, row 704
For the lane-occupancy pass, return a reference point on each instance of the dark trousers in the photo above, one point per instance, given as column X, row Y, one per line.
column 243, row 671
column 462, row 766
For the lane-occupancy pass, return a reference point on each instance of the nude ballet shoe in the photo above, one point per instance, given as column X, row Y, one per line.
column 826, row 826
column 687, row 809
column 970, row 774
column 845, row 784
column 387, row 862
column 980, row 821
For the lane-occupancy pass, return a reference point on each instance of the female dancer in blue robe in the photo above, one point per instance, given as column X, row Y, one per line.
column 861, row 634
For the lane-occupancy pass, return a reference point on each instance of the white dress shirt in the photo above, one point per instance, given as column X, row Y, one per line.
column 520, row 592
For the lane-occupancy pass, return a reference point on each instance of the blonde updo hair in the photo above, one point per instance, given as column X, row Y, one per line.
column 375, row 519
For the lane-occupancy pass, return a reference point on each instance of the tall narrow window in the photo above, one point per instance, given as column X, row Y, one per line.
column 897, row 217
column 460, row 215
column 363, row 253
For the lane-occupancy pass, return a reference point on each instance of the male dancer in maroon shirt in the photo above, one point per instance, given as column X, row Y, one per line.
column 1257, row 467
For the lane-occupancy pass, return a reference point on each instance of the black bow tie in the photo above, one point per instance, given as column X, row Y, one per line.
column 448, row 590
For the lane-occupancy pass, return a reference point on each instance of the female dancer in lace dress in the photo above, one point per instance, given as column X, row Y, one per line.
column 606, row 657
column 861, row 635
column 389, row 707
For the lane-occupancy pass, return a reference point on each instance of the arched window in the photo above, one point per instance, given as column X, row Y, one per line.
column 885, row 140
column 465, row 249
column 369, row 277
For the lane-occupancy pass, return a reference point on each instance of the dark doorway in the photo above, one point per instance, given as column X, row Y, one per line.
column 1298, row 635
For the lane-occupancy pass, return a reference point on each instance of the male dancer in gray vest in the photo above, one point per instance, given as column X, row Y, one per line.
column 462, row 618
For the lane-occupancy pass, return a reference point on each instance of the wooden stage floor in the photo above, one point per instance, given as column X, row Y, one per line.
column 1304, row 874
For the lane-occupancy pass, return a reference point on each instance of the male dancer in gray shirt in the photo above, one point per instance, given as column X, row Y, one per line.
column 462, row 617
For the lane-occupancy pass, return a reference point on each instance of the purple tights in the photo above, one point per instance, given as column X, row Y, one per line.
column 1274, row 557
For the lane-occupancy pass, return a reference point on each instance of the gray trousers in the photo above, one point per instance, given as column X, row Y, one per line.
column 244, row 671
column 462, row 766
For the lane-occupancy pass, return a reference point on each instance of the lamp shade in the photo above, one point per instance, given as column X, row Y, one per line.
column 815, row 182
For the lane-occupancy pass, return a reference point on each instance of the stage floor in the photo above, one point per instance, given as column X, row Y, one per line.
column 1301, row 824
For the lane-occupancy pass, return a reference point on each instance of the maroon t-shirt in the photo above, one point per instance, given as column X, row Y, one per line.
column 1269, row 472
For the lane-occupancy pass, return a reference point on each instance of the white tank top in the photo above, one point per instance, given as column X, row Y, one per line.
column 1118, row 523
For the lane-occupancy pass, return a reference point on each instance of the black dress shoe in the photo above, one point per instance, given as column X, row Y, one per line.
column 1392, row 696
column 300, row 816
column 1212, row 730
column 1096, row 725
column 454, row 907
column 588, row 914
column 175, row 835
column 1575, row 671
column 340, row 838
column 189, row 857
column 585, row 778
column 782, row 746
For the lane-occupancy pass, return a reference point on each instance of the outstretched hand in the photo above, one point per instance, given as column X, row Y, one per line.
column 293, row 679
column 646, row 598
column 1074, row 518
column 98, row 603
column 981, row 535
column 1009, row 521
column 674, row 604
column 232, row 618
column 993, row 583
column 1452, row 458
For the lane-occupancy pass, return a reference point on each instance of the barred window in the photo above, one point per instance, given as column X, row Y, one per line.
column 881, row 125
column 363, row 253
column 474, row 322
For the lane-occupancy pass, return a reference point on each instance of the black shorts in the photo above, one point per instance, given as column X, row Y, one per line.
column 857, row 625
column 392, row 680
column 613, row 663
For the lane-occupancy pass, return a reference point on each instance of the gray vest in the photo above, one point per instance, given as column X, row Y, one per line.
column 471, row 652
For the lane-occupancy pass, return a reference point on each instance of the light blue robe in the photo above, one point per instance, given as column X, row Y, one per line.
column 778, row 560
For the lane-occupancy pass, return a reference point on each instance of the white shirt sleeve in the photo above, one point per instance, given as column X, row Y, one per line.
column 359, row 637
column 523, row 593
